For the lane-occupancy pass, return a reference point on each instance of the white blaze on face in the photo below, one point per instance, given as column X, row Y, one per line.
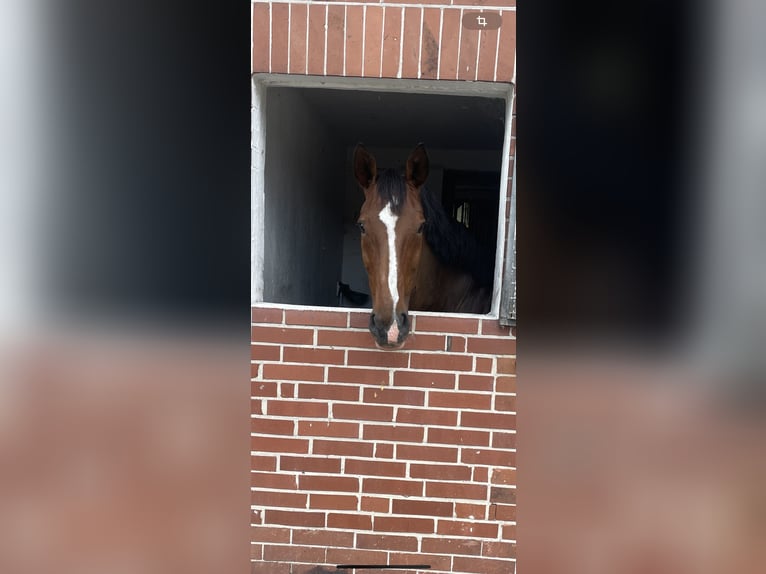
column 389, row 220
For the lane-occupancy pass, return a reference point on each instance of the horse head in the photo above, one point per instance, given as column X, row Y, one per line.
column 391, row 224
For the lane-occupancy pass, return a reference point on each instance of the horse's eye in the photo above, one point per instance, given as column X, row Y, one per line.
column 422, row 226
column 360, row 225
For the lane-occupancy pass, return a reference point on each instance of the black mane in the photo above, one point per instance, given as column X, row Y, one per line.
column 452, row 244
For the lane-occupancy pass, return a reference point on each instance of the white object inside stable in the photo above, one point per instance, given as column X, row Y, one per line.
column 304, row 197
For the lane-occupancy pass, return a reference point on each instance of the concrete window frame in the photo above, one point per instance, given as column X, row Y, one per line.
column 261, row 82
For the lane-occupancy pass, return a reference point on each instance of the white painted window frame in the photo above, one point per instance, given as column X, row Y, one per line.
column 260, row 85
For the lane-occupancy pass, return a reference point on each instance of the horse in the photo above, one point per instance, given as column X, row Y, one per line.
column 416, row 256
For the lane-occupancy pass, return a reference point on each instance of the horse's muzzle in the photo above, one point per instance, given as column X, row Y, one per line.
column 390, row 335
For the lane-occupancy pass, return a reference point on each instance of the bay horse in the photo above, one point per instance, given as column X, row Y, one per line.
column 416, row 256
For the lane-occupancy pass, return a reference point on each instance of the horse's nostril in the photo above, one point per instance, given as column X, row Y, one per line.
column 405, row 319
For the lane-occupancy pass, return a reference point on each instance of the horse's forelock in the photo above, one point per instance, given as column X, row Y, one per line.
column 392, row 189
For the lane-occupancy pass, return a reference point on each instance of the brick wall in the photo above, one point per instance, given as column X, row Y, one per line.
column 419, row 40
column 362, row 455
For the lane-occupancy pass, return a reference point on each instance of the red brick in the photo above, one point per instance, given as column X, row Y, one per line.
column 377, row 377
column 373, row 34
column 294, row 518
column 506, row 513
column 467, row 528
column 269, row 534
column 505, row 403
column 434, row 453
column 482, row 565
column 456, row 490
column 472, row 511
column 469, row 47
column 486, row 71
column 488, row 457
column 509, row 532
column 360, row 320
column 330, row 429
column 488, row 420
column 442, row 361
column 354, row 32
column 387, row 359
column 402, row 524
column 265, row 463
column 502, row 495
column 375, row 504
column 429, row 50
column 507, row 50
column 505, row 384
column 266, row 314
column 279, row 46
column 440, row 471
column 263, row 425
column 292, row 336
column 333, row 502
column 492, row 346
column 349, row 521
column 411, row 49
column 467, row 382
column 375, row 468
column 506, row 3
column 503, row 440
column 256, row 517
column 452, row 546
column 424, row 379
column 363, row 412
column 392, row 32
column 316, row 318
column 303, row 409
column 480, row 474
column 392, row 486
column 449, row 48
column 279, row 445
column 393, row 433
column 427, row 417
column 438, row 563
column 383, row 450
column 354, row 339
column 265, row 352
column 293, row 553
column 394, row 396
column 498, row 549
column 256, row 407
column 385, row 542
column 335, row 32
column 322, row 537
column 460, row 400
column 281, row 372
column 286, row 390
column 493, row 326
column 343, row 448
column 309, row 355
column 445, row 324
column 458, row 437
column 309, row 464
column 483, row 365
column 270, row 568
column 353, row 556
column 506, row 366
column 317, row 15
column 261, row 389
column 421, row 507
column 298, row 26
column 331, row 483
column 328, row 392
column 426, row 342
column 283, row 499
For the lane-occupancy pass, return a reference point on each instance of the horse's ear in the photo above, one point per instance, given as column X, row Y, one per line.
column 365, row 169
column 417, row 166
